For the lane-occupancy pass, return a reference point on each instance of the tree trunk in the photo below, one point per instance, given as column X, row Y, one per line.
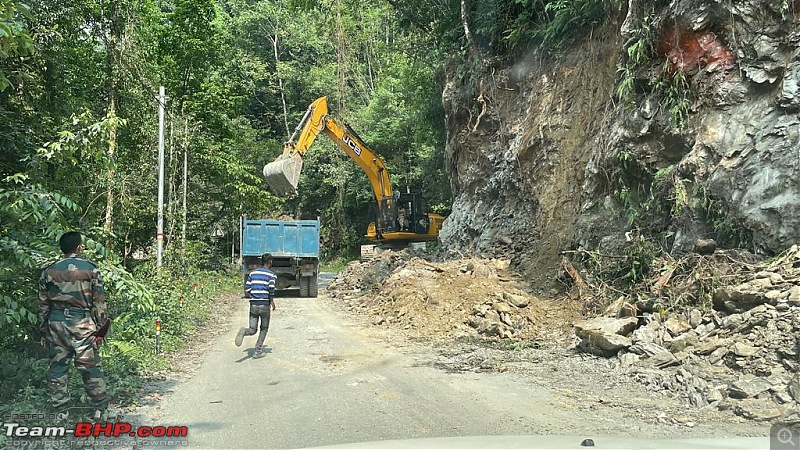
column 111, row 56
column 173, row 203
column 185, row 179
column 112, row 149
column 467, row 33
column 341, row 60
column 274, row 39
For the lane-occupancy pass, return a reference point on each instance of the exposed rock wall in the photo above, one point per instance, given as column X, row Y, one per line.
column 537, row 150
column 517, row 155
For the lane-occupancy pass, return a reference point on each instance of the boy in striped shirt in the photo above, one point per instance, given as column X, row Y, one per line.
column 260, row 289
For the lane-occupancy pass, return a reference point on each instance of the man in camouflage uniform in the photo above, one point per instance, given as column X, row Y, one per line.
column 72, row 305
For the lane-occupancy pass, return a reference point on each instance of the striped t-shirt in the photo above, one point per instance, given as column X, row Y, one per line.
column 260, row 285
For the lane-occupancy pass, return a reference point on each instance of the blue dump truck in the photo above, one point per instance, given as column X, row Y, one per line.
column 294, row 246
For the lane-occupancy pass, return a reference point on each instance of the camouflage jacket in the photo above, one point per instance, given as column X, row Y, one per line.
column 75, row 283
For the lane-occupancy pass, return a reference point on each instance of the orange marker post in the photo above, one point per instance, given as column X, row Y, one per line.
column 158, row 336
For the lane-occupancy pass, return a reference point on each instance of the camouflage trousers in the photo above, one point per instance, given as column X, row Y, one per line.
column 71, row 337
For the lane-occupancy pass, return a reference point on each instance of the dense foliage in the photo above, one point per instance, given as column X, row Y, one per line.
column 79, row 133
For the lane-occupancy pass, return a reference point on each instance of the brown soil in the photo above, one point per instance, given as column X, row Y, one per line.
column 465, row 297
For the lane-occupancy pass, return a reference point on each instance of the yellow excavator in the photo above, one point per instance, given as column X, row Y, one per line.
column 400, row 218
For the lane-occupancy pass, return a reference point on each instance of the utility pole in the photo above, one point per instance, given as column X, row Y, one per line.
column 185, row 180
column 241, row 236
column 162, row 100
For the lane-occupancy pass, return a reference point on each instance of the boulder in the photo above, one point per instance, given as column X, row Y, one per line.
column 794, row 387
column 501, row 265
column 501, row 307
column 620, row 308
column 783, row 397
column 709, row 346
column 681, row 342
column 628, row 359
column 748, row 388
column 744, row 350
column 758, row 410
column 705, row 246
column 480, row 308
column 492, row 315
column 602, row 343
column 518, row 301
column 647, row 333
column 648, row 349
column 774, row 294
column 717, row 355
column 663, row 360
column 794, row 295
column 715, row 395
column 695, row 318
column 676, row 326
column 741, row 297
column 622, row 327
column 605, row 335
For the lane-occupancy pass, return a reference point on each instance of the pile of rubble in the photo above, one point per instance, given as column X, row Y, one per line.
column 471, row 296
column 742, row 355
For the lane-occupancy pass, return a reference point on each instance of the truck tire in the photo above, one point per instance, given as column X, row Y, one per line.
column 313, row 286
column 303, row 286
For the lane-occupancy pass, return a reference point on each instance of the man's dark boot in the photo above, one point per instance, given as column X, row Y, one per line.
column 240, row 336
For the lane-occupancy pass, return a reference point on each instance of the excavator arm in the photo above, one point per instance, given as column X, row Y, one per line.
column 398, row 218
column 283, row 174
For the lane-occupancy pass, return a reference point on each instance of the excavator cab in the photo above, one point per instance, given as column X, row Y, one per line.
column 387, row 216
column 410, row 214
column 401, row 217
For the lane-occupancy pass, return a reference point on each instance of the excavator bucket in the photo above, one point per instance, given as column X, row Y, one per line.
column 283, row 174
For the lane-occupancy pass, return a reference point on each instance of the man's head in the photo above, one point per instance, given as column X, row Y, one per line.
column 70, row 242
column 266, row 260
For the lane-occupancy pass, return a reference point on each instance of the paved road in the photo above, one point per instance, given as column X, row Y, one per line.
column 328, row 381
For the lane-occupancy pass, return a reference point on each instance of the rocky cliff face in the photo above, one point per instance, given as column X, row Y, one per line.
column 544, row 155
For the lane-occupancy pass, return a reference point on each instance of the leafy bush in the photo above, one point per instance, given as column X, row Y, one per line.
column 547, row 24
column 136, row 300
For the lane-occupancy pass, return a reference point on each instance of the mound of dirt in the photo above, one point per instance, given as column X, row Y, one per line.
column 463, row 297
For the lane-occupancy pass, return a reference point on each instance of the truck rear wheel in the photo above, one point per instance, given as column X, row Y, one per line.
column 303, row 286
column 313, row 286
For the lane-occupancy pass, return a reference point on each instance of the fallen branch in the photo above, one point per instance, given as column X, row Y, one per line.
column 663, row 280
column 576, row 277
column 430, row 266
column 482, row 101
